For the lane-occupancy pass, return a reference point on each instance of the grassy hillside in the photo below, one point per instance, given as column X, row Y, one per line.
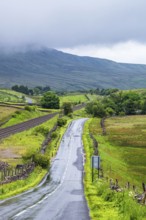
column 123, row 149
column 24, row 115
column 73, row 98
column 104, row 203
column 10, row 96
column 64, row 71
column 6, row 113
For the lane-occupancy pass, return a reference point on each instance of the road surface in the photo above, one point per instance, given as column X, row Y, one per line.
column 61, row 196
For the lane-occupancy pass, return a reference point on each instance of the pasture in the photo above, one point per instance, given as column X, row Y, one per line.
column 6, row 112
column 103, row 202
column 10, row 96
column 75, row 99
column 123, row 148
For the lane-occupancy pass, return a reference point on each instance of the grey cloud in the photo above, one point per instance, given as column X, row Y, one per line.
column 68, row 23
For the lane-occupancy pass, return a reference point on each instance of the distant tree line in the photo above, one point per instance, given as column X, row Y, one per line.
column 38, row 90
column 118, row 103
column 22, row 89
column 103, row 92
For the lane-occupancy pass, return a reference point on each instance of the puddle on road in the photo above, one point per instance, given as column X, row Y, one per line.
column 77, row 192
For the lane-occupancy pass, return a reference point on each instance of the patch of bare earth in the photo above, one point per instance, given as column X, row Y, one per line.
column 8, row 154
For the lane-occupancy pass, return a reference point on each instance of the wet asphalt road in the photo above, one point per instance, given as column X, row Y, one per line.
column 61, row 195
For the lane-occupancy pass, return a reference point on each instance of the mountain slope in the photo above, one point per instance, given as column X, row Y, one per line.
column 64, row 71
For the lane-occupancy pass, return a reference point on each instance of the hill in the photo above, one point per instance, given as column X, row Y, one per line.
column 64, row 71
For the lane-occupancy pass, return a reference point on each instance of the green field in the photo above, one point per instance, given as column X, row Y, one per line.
column 6, row 113
column 75, row 99
column 10, row 96
column 13, row 147
column 23, row 115
column 123, row 149
column 104, row 203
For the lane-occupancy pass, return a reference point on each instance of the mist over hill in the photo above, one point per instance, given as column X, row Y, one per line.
column 62, row 71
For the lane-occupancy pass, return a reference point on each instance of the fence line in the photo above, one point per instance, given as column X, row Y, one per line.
column 140, row 197
column 21, row 171
column 102, row 124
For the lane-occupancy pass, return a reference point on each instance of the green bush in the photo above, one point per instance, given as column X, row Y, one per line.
column 18, row 112
column 42, row 130
column 30, row 108
column 54, row 135
column 67, row 107
column 41, row 160
column 61, row 122
column 70, row 115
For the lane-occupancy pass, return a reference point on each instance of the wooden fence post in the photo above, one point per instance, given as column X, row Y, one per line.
column 144, row 193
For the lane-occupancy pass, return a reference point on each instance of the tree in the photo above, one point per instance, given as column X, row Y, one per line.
column 21, row 88
column 143, row 107
column 15, row 88
column 67, row 107
column 50, row 100
column 97, row 109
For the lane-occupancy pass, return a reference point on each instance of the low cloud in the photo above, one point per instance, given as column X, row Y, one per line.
column 68, row 23
column 126, row 52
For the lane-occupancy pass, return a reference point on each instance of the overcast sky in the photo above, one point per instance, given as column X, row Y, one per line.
column 113, row 29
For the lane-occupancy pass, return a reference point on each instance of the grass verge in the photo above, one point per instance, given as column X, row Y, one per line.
column 20, row 186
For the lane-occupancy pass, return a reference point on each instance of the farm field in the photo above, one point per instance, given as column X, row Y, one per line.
column 6, row 112
column 14, row 147
column 123, row 148
column 104, row 203
column 10, row 96
column 19, row 116
column 76, row 99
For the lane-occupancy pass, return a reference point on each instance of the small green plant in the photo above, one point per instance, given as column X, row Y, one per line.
column 42, row 130
column 54, row 135
column 61, row 122
column 30, row 108
column 41, row 160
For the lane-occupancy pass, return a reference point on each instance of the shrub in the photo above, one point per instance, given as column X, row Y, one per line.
column 70, row 115
column 18, row 112
column 67, row 107
column 54, row 135
column 61, row 122
column 30, row 108
column 41, row 160
column 42, row 130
